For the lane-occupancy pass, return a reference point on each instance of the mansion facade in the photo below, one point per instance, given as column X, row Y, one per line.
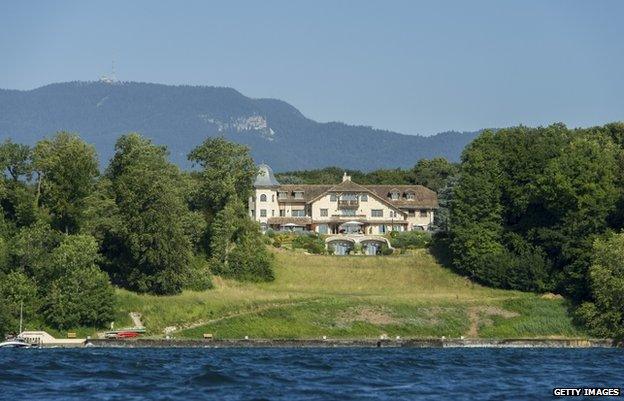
column 344, row 208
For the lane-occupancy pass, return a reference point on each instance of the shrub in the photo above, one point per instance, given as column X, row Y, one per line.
column 357, row 249
column 385, row 250
column 311, row 243
column 410, row 239
column 198, row 275
column 250, row 260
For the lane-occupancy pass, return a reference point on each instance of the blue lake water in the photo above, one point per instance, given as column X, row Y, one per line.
column 303, row 374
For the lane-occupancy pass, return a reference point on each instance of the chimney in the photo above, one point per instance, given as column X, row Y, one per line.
column 346, row 177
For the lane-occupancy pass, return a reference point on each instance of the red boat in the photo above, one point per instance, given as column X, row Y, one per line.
column 127, row 334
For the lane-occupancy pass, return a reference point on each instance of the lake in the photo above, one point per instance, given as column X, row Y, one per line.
column 303, row 374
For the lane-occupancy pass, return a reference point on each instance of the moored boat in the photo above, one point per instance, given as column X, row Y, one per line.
column 133, row 332
column 14, row 343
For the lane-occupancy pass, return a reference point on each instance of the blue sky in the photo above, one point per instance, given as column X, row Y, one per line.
column 409, row 66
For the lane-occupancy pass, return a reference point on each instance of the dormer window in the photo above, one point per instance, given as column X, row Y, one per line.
column 395, row 195
column 298, row 194
column 282, row 195
column 410, row 196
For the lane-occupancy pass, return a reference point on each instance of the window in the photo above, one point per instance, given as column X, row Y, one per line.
column 348, row 197
column 298, row 213
column 376, row 213
column 410, row 196
column 282, row 195
column 262, row 212
column 395, row 195
column 324, row 213
column 348, row 212
column 282, row 212
column 263, row 198
column 272, row 198
column 411, row 213
column 333, row 198
column 298, row 194
column 423, row 213
column 364, row 198
column 272, row 212
column 393, row 214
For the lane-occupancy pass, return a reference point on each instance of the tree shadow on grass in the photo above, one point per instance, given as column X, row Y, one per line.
column 440, row 249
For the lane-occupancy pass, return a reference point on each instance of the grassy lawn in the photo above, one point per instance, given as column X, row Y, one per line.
column 351, row 297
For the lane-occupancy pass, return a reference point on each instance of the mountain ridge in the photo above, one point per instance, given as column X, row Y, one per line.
column 182, row 116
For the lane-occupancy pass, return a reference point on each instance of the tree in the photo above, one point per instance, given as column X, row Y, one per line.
column 150, row 252
column 227, row 173
column 67, row 169
column 433, row 173
column 29, row 251
column 223, row 186
column 18, row 293
column 80, row 294
column 249, row 259
column 476, row 218
column 605, row 313
column 15, row 158
column 579, row 192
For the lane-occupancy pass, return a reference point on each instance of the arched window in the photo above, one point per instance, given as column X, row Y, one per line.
column 263, row 198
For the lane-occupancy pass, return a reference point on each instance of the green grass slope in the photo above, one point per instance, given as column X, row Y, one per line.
column 352, row 297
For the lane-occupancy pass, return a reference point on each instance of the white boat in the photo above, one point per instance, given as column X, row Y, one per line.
column 17, row 342
column 14, row 343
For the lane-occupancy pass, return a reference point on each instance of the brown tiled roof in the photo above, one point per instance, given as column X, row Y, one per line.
column 309, row 191
column 294, row 220
column 348, row 186
column 423, row 196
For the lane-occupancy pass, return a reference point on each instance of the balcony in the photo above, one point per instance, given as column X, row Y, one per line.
column 341, row 217
column 348, row 204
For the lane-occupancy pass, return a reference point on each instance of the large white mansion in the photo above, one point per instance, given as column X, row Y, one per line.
column 346, row 207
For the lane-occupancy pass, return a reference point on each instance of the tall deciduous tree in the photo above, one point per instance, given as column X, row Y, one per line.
column 224, row 186
column 150, row 252
column 15, row 159
column 67, row 169
column 227, row 173
column 605, row 313
column 81, row 293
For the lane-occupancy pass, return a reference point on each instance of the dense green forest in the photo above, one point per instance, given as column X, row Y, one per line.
column 69, row 233
column 541, row 209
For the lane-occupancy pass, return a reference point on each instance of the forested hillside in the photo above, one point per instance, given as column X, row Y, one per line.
column 542, row 209
column 181, row 116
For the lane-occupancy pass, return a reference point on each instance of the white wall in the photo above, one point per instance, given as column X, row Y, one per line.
column 271, row 205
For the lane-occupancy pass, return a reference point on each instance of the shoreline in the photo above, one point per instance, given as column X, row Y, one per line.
column 355, row 343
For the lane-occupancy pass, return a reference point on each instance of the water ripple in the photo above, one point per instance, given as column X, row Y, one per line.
column 302, row 374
